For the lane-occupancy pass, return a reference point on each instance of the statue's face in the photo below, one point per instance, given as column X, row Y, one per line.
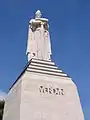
column 38, row 16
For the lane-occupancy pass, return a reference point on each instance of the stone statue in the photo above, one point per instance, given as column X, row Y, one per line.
column 38, row 46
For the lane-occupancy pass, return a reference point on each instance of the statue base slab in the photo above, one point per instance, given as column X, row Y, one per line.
column 43, row 92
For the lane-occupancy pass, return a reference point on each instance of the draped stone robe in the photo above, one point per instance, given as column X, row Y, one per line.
column 38, row 46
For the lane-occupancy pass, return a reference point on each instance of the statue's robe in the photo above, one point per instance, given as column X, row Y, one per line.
column 39, row 46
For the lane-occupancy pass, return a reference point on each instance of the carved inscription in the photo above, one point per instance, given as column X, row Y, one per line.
column 51, row 90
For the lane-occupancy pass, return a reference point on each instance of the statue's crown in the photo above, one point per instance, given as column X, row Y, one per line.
column 38, row 14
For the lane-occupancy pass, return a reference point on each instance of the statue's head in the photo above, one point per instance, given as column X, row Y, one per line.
column 38, row 14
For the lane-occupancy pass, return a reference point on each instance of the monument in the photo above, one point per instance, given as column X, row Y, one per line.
column 42, row 91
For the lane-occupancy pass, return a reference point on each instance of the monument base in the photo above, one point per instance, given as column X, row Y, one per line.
column 43, row 92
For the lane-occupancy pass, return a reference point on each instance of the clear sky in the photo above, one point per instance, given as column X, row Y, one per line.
column 70, row 37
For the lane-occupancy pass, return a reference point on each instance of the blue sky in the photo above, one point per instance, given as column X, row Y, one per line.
column 70, row 37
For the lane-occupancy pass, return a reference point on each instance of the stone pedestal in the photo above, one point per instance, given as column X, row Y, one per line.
column 43, row 92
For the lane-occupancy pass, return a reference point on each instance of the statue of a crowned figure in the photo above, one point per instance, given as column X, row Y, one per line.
column 38, row 45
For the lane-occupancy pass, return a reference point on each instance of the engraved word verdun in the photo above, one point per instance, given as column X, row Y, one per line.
column 51, row 90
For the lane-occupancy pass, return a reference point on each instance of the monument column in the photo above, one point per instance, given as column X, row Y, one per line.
column 42, row 91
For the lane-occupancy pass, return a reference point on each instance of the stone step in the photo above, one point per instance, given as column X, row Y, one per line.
column 43, row 62
column 46, row 72
column 45, row 68
column 43, row 65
